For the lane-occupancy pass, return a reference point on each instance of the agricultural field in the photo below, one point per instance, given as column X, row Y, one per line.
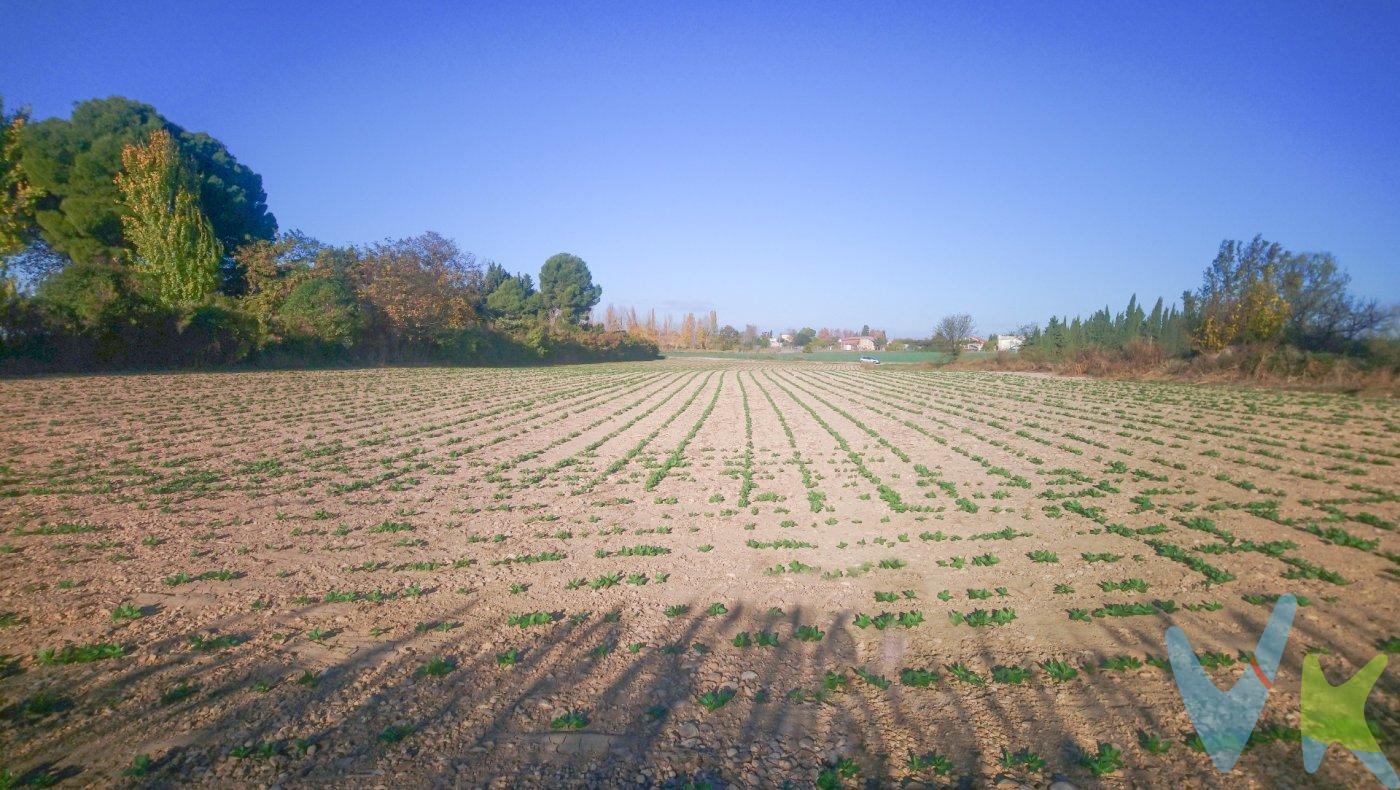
column 706, row 571
column 887, row 357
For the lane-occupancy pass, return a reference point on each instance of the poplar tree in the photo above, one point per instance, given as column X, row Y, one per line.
column 16, row 196
column 174, row 241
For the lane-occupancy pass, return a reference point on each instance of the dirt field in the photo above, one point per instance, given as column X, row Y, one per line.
column 654, row 573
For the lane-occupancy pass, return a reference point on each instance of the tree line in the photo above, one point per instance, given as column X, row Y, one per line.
column 1254, row 294
column 126, row 240
column 691, row 332
column 704, row 333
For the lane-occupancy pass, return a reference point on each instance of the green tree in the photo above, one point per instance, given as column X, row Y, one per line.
column 492, row 278
column 566, row 288
column 727, row 338
column 1323, row 313
column 322, row 308
column 92, row 298
column 72, row 164
column 514, row 297
column 174, row 242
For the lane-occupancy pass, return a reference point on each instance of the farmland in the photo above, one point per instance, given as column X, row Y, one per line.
column 898, row 357
column 712, row 570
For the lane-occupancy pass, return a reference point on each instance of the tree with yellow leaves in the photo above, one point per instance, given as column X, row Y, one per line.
column 16, row 195
column 1262, row 312
column 1239, row 300
column 174, row 241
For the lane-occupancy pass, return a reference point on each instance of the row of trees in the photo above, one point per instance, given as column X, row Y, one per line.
column 694, row 332
column 1253, row 293
column 691, row 332
column 828, row 337
column 1064, row 338
column 126, row 240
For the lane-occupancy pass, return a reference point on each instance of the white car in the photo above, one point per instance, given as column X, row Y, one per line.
column 869, row 361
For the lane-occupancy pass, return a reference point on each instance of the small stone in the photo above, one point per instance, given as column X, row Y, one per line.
column 688, row 730
column 748, row 675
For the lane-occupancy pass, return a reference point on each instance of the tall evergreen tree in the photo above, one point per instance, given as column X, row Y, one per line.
column 566, row 287
column 72, row 163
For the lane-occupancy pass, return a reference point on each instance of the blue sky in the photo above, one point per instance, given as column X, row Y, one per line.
column 784, row 164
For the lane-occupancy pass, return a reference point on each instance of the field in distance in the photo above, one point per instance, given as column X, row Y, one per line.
column 721, row 571
column 791, row 355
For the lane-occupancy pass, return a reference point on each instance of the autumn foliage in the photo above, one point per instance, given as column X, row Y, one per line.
column 172, row 239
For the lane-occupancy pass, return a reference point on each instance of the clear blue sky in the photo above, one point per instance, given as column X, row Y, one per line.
column 784, row 164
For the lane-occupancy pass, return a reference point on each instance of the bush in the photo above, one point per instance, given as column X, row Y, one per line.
column 94, row 314
column 322, row 309
column 1374, row 368
column 97, row 316
column 573, row 346
column 214, row 334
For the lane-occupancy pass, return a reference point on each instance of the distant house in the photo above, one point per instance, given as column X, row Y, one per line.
column 973, row 343
column 774, row 342
column 1010, row 342
column 863, row 343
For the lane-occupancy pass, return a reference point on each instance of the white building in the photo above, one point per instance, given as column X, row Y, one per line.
column 863, row 343
column 1009, row 342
